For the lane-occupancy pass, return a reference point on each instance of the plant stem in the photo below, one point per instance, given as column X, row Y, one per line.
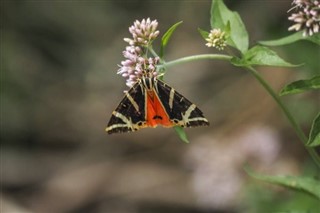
column 195, row 58
column 286, row 111
column 152, row 51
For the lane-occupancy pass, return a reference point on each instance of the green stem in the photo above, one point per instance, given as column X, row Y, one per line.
column 155, row 54
column 152, row 51
column 286, row 111
column 195, row 58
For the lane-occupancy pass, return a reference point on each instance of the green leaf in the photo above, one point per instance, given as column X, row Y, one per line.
column 260, row 55
column 181, row 133
column 165, row 38
column 283, row 41
column 304, row 184
column 315, row 38
column 227, row 29
column 314, row 136
column 291, row 39
column 301, row 86
column 220, row 16
column 203, row 33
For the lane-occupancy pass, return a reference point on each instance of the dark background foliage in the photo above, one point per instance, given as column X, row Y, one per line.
column 59, row 86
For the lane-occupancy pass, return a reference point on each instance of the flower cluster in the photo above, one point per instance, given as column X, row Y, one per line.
column 143, row 32
column 217, row 39
column 137, row 64
column 307, row 16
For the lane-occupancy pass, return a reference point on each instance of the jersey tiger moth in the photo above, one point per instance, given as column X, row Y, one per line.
column 151, row 102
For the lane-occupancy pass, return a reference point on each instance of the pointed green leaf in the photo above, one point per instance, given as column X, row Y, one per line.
column 181, row 133
column 260, row 55
column 220, row 16
column 165, row 38
column 304, row 184
column 314, row 136
column 203, row 33
column 227, row 29
column 291, row 39
column 216, row 12
column 301, row 86
column 283, row 41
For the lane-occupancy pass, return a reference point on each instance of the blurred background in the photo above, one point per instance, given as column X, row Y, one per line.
column 59, row 87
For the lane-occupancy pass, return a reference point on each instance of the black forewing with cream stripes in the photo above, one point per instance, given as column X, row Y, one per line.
column 181, row 111
column 130, row 112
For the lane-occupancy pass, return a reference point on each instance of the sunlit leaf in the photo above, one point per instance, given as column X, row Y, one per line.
column 181, row 133
column 301, row 86
column 304, row 184
column 221, row 16
column 314, row 136
column 291, row 39
column 203, row 33
column 283, row 41
column 165, row 38
column 260, row 55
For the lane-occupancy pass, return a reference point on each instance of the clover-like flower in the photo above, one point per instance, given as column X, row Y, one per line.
column 307, row 16
column 217, row 39
column 143, row 33
column 135, row 65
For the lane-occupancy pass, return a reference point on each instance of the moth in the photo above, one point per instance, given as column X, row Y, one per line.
column 151, row 102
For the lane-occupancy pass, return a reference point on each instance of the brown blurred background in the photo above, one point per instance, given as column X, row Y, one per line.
column 59, row 86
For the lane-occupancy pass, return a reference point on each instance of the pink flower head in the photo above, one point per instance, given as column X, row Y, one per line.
column 143, row 33
column 307, row 16
column 135, row 66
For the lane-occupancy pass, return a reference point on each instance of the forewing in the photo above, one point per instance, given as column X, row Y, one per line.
column 181, row 111
column 130, row 114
